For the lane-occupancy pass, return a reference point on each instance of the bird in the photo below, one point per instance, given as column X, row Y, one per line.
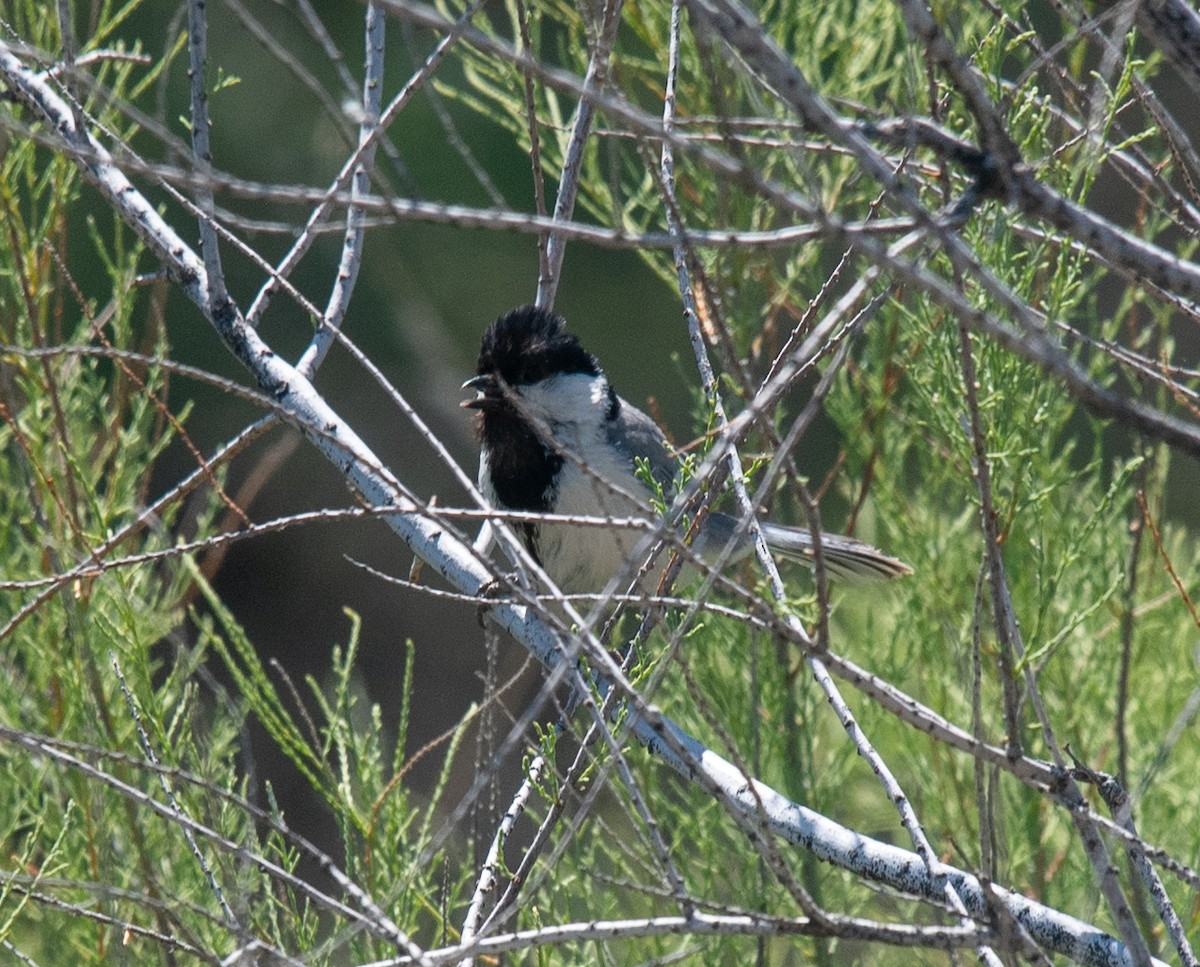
column 555, row 438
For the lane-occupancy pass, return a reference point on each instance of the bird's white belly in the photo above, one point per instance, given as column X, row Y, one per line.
column 583, row 558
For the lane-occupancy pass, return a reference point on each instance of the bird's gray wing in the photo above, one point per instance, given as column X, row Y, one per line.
column 636, row 435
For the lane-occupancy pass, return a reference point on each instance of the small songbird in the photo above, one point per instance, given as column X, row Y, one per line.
column 556, row 438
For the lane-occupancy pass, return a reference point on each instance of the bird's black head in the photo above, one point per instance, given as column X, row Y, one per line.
column 530, row 344
column 520, row 349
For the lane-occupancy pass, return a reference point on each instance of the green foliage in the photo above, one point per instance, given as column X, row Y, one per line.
column 77, row 448
column 1064, row 487
column 1077, row 506
column 92, row 871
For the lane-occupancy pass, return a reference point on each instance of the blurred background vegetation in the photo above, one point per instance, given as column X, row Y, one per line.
column 85, row 448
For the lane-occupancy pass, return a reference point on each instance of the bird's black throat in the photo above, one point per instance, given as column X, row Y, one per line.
column 522, row 468
column 521, row 348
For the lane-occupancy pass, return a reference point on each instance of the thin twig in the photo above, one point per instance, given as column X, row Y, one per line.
column 198, row 62
column 231, row 921
column 568, row 183
column 1121, row 807
column 360, row 179
column 486, row 883
column 535, row 142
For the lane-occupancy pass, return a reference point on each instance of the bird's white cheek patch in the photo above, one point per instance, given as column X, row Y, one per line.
column 573, row 398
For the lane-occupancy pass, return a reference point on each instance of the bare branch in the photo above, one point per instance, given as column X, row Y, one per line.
column 564, row 205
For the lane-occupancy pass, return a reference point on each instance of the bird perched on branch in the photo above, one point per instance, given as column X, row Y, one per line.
column 555, row 438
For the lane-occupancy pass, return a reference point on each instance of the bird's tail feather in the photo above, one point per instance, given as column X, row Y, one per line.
column 844, row 557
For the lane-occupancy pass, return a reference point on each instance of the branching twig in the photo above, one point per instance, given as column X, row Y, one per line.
column 1119, row 804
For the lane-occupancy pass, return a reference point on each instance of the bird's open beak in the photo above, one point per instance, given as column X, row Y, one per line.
column 487, row 392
